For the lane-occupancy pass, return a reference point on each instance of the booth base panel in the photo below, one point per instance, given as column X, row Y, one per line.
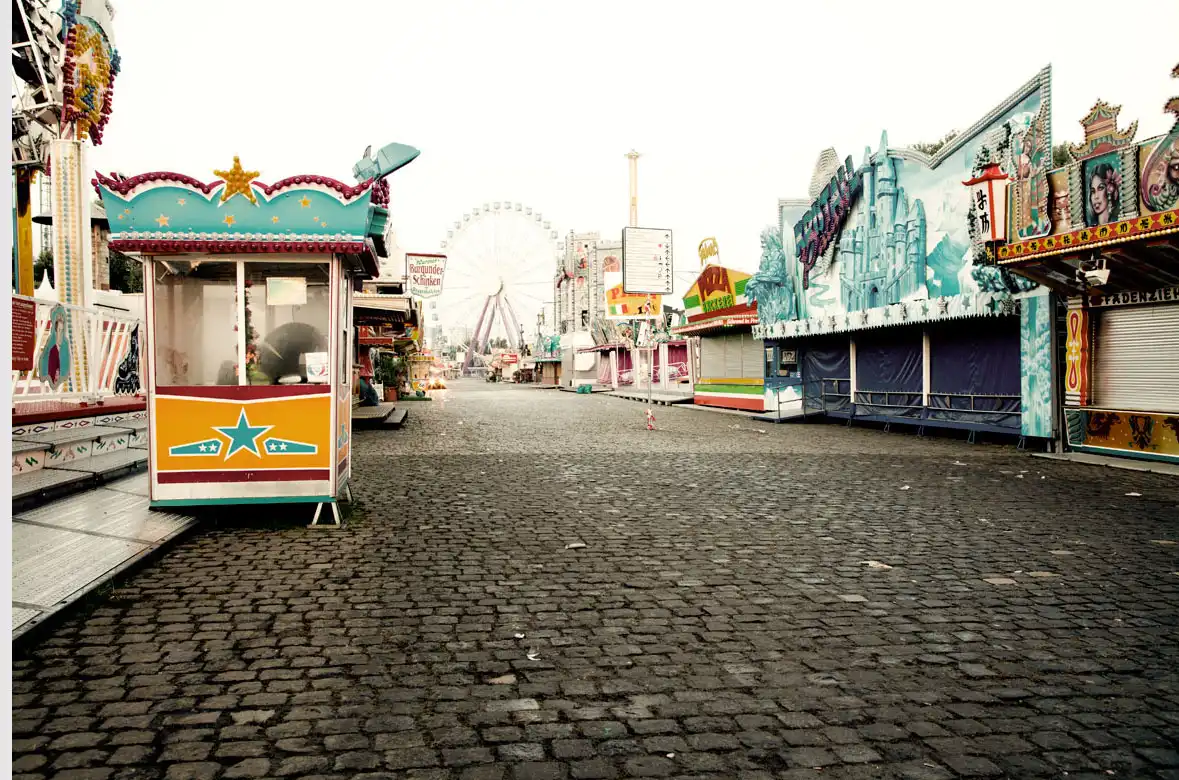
column 175, row 502
column 221, row 493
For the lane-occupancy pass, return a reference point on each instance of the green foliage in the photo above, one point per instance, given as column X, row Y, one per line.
column 126, row 273
column 44, row 262
column 931, row 148
column 1060, row 156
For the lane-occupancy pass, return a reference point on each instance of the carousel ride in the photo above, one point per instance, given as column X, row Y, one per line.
column 499, row 261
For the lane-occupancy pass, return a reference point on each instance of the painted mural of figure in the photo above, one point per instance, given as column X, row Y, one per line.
column 1105, row 187
column 54, row 365
column 127, row 382
column 772, row 287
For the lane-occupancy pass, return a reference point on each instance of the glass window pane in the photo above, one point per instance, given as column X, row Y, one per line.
column 287, row 322
column 196, row 319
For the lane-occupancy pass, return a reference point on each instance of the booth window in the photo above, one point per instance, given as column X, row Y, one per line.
column 195, row 317
column 288, row 309
column 787, row 362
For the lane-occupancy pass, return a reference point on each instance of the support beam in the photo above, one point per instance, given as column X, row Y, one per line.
column 23, row 206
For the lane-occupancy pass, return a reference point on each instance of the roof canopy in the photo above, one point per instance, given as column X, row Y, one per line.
column 164, row 213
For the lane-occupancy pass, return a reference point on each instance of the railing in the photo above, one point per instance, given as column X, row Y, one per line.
column 675, row 371
column 99, row 345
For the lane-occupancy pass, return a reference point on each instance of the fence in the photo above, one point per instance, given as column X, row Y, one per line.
column 97, row 354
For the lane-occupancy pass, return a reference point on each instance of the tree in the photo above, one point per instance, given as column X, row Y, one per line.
column 43, row 264
column 126, row 272
column 931, row 148
column 1060, row 155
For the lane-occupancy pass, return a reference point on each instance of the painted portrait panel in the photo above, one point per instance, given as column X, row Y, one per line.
column 1159, row 188
column 1101, row 179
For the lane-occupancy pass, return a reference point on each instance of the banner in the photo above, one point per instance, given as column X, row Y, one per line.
column 425, row 274
column 621, row 305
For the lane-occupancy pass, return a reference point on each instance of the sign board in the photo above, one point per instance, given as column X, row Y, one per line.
column 647, row 261
column 1163, row 295
column 621, row 305
column 286, row 291
column 24, row 334
column 425, row 274
column 717, row 292
column 317, row 367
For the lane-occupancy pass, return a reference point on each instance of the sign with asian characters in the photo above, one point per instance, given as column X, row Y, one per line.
column 647, row 261
column 425, row 274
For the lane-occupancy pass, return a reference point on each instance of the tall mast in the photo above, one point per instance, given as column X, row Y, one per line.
column 633, row 157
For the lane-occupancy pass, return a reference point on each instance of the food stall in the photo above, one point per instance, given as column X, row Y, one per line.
column 251, row 355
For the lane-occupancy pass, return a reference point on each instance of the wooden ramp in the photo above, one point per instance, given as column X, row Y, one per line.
column 385, row 415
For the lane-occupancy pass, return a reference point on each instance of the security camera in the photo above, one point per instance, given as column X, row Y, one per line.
column 1097, row 277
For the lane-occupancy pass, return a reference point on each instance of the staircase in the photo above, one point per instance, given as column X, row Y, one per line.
column 54, row 458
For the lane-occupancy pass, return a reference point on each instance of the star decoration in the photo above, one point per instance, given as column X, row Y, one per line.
column 180, row 201
column 243, row 436
column 237, row 182
column 122, row 215
column 126, row 211
column 162, row 221
column 229, row 220
column 305, row 202
column 315, row 219
column 274, row 219
column 323, row 224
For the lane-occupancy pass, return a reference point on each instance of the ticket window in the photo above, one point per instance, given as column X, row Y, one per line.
column 787, row 362
column 781, row 363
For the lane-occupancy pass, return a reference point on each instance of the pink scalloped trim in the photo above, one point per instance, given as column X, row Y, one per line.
column 122, row 186
column 228, row 247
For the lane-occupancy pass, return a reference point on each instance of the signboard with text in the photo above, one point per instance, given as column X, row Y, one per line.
column 647, row 261
column 24, row 334
column 425, row 274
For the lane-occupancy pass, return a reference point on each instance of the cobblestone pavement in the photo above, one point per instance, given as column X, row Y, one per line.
column 747, row 604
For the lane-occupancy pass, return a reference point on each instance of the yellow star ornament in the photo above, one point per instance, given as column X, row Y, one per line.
column 237, row 182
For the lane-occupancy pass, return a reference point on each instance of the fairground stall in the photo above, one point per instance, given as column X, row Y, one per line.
column 249, row 305
column 878, row 297
column 720, row 320
column 1113, row 253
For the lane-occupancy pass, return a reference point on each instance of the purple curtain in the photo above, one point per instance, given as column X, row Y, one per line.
column 889, row 372
column 974, row 371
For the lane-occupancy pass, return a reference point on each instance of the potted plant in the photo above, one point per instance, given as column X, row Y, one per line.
column 392, row 374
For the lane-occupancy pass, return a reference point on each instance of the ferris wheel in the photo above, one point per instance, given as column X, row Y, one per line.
column 500, row 263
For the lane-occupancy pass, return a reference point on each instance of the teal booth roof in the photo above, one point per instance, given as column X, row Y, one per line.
column 164, row 213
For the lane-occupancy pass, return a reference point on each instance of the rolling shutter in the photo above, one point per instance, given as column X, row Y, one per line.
column 732, row 356
column 712, row 356
column 1136, row 367
column 753, row 359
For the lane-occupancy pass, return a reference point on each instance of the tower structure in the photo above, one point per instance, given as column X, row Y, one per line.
column 633, row 157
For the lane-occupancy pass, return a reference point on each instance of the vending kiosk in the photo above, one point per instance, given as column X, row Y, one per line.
column 250, row 351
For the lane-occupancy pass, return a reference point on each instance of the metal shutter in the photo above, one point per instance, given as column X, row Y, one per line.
column 712, row 356
column 1136, row 366
column 732, row 355
column 753, row 359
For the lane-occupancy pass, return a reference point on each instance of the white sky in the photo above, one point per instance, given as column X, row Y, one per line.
column 537, row 102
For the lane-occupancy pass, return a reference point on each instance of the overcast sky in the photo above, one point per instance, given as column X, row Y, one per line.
column 537, row 102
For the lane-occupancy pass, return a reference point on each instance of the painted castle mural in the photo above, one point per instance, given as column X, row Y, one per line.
column 897, row 228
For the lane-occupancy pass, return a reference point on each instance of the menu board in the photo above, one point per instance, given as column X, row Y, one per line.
column 24, row 334
column 647, row 261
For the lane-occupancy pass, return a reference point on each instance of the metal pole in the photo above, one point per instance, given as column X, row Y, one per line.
column 24, row 232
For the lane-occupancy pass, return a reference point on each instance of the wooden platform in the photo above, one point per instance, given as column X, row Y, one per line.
column 386, row 415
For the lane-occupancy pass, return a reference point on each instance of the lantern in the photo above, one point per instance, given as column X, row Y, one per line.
column 988, row 199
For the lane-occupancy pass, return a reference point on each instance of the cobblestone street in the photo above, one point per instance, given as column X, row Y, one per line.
column 534, row 586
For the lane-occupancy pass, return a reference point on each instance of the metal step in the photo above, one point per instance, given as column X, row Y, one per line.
column 22, row 445
column 100, row 465
column 35, row 482
column 73, row 435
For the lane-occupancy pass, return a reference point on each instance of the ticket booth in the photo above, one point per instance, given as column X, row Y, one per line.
column 248, row 291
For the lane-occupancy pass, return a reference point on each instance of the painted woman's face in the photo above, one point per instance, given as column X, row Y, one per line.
column 1098, row 198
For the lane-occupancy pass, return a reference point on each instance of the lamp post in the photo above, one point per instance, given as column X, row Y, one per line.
column 988, row 202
